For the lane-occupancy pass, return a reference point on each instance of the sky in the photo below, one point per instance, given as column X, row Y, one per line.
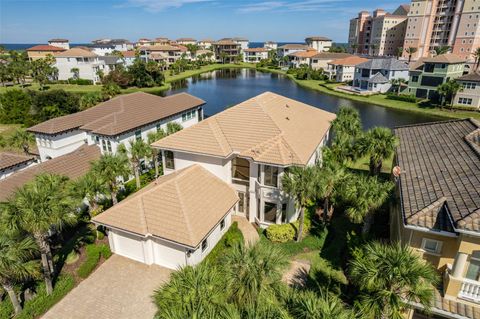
column 81, row 21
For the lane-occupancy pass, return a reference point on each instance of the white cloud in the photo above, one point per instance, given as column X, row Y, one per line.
column 289, row 6
column 161, row 5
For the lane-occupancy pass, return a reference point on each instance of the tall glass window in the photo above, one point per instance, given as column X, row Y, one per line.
column 271, row 176
column 240, row 169
column 169, row 160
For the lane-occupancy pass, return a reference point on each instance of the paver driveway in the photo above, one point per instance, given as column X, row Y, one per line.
column 119, row 288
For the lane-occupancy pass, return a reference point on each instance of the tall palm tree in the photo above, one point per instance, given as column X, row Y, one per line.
column 223, row 56
column 254, row 273
column 347, row 122
column 476, row 55
column 89, row 187
column 22, row 139
column 17, row 265
column 38, row 208
column 111, row 167
column 310, row 305
column 363, row 195
column 410, row 51
column 391, row 277
column 331, row 176
column 137, row 152
column 347, row 128
column 448, row 90
column 299, row 183
column 153, row 137
column 379, row 144
column 192, row 292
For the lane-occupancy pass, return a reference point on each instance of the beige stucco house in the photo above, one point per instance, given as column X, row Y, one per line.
column 469, row 95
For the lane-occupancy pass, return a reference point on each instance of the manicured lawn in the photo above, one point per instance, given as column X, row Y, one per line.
column 6, row 130
column 363, row 164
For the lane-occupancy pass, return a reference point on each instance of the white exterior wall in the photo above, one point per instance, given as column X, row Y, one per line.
column 254, row 56
column 320, row 46
column 87, row 67
column 344, row 73
column 4, row 173
column 154, row 250
column 220, row 167
column 51, row 146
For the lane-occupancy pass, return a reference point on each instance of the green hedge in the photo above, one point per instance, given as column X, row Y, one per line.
column 42, row 302
column 402, row 97
column 231, row 238
column 94, row 252
column 287, row 232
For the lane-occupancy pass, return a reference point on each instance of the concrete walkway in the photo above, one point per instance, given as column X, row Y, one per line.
column 250, row 234
column 119, row 289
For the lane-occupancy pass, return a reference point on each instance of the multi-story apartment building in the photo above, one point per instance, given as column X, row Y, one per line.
column 270, row 45
column 226, row 50
column 255, row 55
column 243, row 42
column 321, row 44
column 440, row 23
column 60, row 43
column 437, row 212
column 469, row 95
column 79, row 63
column 167, row 53
column 250, row 146
column 428, row 73
column 104, row 47
column 205, row 44
column 379, row 34
column 114, row 122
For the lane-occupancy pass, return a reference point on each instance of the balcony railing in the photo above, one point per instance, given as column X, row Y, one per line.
column 470, row 290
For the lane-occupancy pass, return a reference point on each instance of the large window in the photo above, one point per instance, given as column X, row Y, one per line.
column 473, row 272
column 240, row 169
column 169, row 160
column 188, row 115
column 431, row 246
column 270, row 212
column 271, row 176
column 433, row 81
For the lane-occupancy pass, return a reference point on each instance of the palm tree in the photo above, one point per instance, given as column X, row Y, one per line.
column 254, row 273
column 153, row 137
column 173, row 127
column 347, row 127
column 391, row 277
column 111, row 167
column 379, row 143
column 410, row 51
column 223, row 56
column 363, row 195
column 137, row 152
column 22, row 139
column 310, row 305
column 330, row 178
column 17, row 265
column 441, row 50
column 398, row 83
column 476, row 55
column 75, row 72
column 448, row 90
column 89, row 187
column 38, row 208
column 399, row 52
column 299, row 183
column 192, row 292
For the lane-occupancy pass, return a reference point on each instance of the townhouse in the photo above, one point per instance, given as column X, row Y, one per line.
column 375, row 74
column 167, row 53
column 243, row 42
column 288, row 49
column 78, row 63
column 226, row 50
column 108, row 46
column 185, row 41
column 428, row 73
column 343, row 70
column 437, row 211
column 321, row 44
column 13, row 162
column 300, row 58
column 321, row 60
column 255, row 55
column 469, row 95
column 270, row 45
column 41, row 51
column 250, row 146
column 59, row 43
column 205, row 44
column 114, row 122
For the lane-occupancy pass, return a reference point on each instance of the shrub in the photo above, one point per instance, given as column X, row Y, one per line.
column 94, row 252
column 231, row 238
column 287, row 232
column 80, row 81
column 402, row 97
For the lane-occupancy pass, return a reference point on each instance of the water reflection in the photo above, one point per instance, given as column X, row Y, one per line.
column 224, row 88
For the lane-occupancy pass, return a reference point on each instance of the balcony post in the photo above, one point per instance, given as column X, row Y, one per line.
column 459, row 265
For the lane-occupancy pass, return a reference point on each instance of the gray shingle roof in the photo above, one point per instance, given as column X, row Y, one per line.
column 384, row 64
column 440, row 179
column 378, row 78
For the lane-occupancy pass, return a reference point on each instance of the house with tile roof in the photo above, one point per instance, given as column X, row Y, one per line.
column 255, row 55
column 249, row 146
column 173, row 222
column 343, row 70
column 117, row 121
column 319, row 43
column 167, row 53
column 41, row 51
column 13, row 162
column 321, row 60
column 469, row 95
column 426, row 74
column 375, row 74
column 78, row 63
column 287, row 49
column 226, row 50
column 438, row 208
column 60, row 43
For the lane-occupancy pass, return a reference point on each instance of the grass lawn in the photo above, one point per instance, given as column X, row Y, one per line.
column 363, row 164
column 6, row 130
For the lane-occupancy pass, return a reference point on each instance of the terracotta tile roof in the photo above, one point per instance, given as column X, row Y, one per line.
column 186, row 39
column 183, row 207
column 445, row 58
column 331, row 55
column 349, row 61
column 471, row 77
column 121, row 114
column 304, row 54
column 73, row 165
column 46, row 47
column 269, row 128
column 12, row 159
column 225, row 42
column 165, row 47
column 440, row 180
column 128, row 54
column 256, row 50
column 76, row 52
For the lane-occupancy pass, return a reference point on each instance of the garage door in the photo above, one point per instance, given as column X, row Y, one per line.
column 128, row 246
column 167, row 255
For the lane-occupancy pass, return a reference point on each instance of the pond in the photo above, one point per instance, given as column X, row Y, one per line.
column 224, row 88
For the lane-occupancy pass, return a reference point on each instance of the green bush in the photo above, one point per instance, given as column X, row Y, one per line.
column 287, row 232
column 80, row 81
column 94, row 252
column 231, row 238
column 402, row 97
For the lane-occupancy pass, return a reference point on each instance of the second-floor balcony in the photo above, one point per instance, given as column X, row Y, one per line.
column 470, row 290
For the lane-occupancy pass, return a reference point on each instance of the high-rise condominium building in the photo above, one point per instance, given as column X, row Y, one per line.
column 442, row 23
column 379, row 34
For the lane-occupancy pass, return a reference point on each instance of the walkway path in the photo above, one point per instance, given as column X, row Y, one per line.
column 250, row 234
column 119, row 289
column 297, row 274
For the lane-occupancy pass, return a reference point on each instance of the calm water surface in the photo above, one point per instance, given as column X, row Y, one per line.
column 224, row 88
